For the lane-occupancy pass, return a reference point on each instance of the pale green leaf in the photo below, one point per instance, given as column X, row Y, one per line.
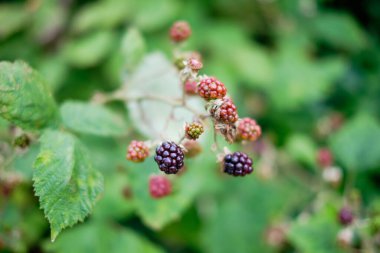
column 98, row 237
column 156, row 76
column 356, row 145
column 25, row 99
column 65, row 181
column 92, row 119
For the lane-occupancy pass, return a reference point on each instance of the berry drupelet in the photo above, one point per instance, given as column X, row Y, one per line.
column 211, row 88
column 237, row 164
column 137, row 151
column 159, row 186
column 248, row 130
column 180, row 31
column 169, row 157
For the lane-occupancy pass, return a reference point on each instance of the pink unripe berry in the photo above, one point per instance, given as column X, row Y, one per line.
column 159, row 186
column 248, row 129
column 194, row 64
column 210, row 88
column 137, row 151
column 180, row 31
column 324, row 157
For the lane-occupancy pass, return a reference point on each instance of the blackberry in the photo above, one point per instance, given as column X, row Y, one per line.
column 237, row 164
column 169, row 157
column 345, row 216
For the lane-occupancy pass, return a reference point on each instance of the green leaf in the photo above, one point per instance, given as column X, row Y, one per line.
column 101, row 14
column 356, row 144
column 340, row 30
column 316, row 234
column 244, row 211
column 13, row 17
column 302, row 148
column 92, row 119
column 25, row 99
column 133, row 48
column 65, row 181
column 98, row 237
column 89, row 50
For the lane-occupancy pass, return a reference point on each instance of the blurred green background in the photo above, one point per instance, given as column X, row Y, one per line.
column 308, row 71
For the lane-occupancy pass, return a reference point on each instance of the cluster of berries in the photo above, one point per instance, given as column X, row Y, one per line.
column 169, row 155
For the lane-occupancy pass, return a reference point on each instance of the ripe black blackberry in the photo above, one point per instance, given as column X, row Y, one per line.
column 237, row 164
column 169, row 157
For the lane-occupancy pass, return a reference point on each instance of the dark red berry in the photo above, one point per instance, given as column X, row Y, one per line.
column 225, row 112
column 248, row 129
column 180, row 31
column 324, row 158
column 211, row 88
column 159, row 186
column 346, row 216
column 237, row 164
column 137, row 151
column 169, row 157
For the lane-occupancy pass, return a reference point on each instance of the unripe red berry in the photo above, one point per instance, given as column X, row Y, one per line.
column 159, row 186
column 211, row 88
column 180, row 31
column 225, row 112
column 137, row 151
column 324, row 157
column 248, row 129
column 190, row 87
column 193, row 130
column 345, row 216
column 194, row 64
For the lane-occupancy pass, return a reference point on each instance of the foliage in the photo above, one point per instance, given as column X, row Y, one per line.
column 307, row 71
